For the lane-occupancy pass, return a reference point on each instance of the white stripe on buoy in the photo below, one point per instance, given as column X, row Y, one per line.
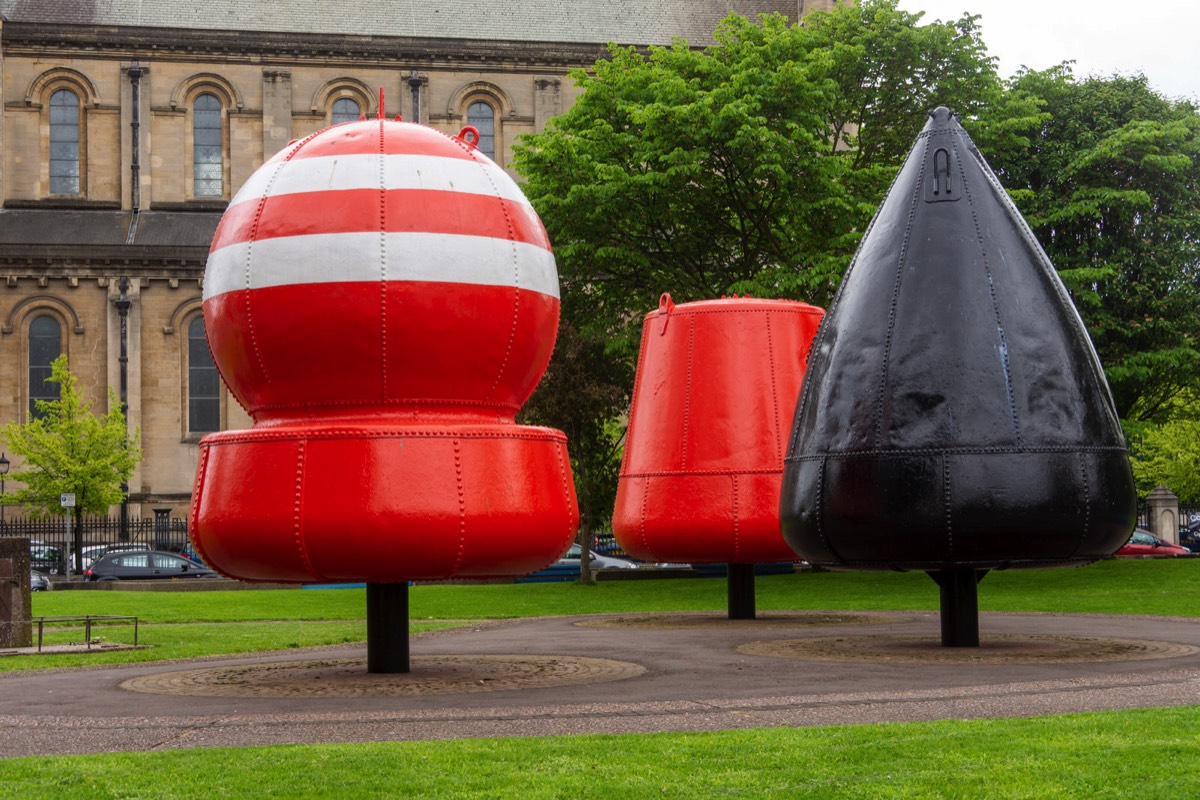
column 335, row 173
column 356, row 257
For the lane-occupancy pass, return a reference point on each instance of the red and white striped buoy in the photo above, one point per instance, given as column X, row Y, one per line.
column 382, row 299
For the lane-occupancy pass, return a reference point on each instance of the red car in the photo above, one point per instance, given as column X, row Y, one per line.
column 1144, row 543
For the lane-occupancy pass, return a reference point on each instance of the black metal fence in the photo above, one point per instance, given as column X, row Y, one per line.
column 160, row 532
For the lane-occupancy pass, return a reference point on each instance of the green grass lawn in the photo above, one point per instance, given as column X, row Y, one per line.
column 1140, row 754
column 190, row 624
column 1144, row 754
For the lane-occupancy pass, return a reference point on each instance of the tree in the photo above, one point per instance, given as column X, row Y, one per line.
column 585, row 393
column 1109, row 180
column 66, row 449
column 1169, row 455
column 751, row 166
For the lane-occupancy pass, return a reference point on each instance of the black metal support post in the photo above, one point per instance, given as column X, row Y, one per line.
column 122, row 303
column 960, row 605
column 387, row 628
column 741, row 591
column 4, row 465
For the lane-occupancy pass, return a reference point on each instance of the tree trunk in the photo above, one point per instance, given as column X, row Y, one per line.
column 586, row 538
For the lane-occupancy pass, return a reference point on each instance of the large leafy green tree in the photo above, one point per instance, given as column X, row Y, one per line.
column 1109, row 180
column 751, row 166
column 66, row 449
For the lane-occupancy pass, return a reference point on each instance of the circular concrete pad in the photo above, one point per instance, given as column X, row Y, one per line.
column 772, row 619
column 992, row 649
column 348, row 677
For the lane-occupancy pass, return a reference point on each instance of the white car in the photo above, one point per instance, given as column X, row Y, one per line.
column 94, row 551
column 574, row 552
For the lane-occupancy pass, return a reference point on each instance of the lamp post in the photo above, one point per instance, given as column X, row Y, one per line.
column 4, row 465
column 122, row 303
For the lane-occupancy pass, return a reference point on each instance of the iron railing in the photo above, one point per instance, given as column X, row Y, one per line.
column 158, row 533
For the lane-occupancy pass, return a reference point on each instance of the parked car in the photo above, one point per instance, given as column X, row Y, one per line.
column 575, row 552
column 46, row 558
column 94, row 551
column 145, row 565
column 39, row 581
column 1145, row 543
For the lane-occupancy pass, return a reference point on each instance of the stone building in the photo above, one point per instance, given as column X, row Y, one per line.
column 128, row 126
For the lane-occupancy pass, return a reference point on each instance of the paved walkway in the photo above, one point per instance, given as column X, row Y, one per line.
column 614, row 674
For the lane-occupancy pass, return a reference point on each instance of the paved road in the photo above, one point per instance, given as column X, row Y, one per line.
column 710, row 674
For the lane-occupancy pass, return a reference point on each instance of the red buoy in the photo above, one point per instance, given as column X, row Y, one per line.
column 382, row 299
column 716, row 385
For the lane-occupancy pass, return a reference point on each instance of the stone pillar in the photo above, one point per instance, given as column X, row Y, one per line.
column 277, row 110
column 547, row 101
column 3, row 193
column 1164, row 514
column 133, row 366
column 16, row 619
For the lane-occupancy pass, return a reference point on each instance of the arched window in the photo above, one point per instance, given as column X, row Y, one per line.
column 64, row 142
column 482, row 117
column 203, row 385
column 208, row 166
column 345, row 109
column 45, row 345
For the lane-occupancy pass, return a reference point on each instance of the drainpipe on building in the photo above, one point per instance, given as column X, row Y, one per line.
column 135, row 87
column 414, row 83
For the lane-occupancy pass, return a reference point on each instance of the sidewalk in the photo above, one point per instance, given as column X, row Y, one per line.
column 615, row 674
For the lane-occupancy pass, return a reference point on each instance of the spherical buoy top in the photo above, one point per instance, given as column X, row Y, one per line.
column 382, row 299
column 381, row 268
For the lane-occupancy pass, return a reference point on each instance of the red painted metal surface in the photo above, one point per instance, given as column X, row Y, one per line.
column 716, row 385
column 382, row 299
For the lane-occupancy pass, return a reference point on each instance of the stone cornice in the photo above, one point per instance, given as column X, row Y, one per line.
column 146, row 43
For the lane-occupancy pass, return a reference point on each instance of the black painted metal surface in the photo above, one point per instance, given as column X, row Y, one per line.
column 387, row 628
column 954, row 413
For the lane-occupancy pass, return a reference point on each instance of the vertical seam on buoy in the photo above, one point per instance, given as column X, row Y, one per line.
column 736, row 540
column 891, row 325
column 560, row 449
column 687, row 396
column 258, row 212
column 516, row 263
column 1087, row 502
column 383, row 276
column 645, row 481
column 819, row 510
column 462, row 507
column 946, row 505
column 822, row 327
column 637, row 387
column 297, row 511
column 774, row 389
column 1005, row 362
column 197, row 494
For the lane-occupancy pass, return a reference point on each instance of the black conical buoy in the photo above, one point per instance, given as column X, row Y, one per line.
column 954, row 415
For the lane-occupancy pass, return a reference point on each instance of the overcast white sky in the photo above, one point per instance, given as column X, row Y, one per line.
column 1160, row 38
